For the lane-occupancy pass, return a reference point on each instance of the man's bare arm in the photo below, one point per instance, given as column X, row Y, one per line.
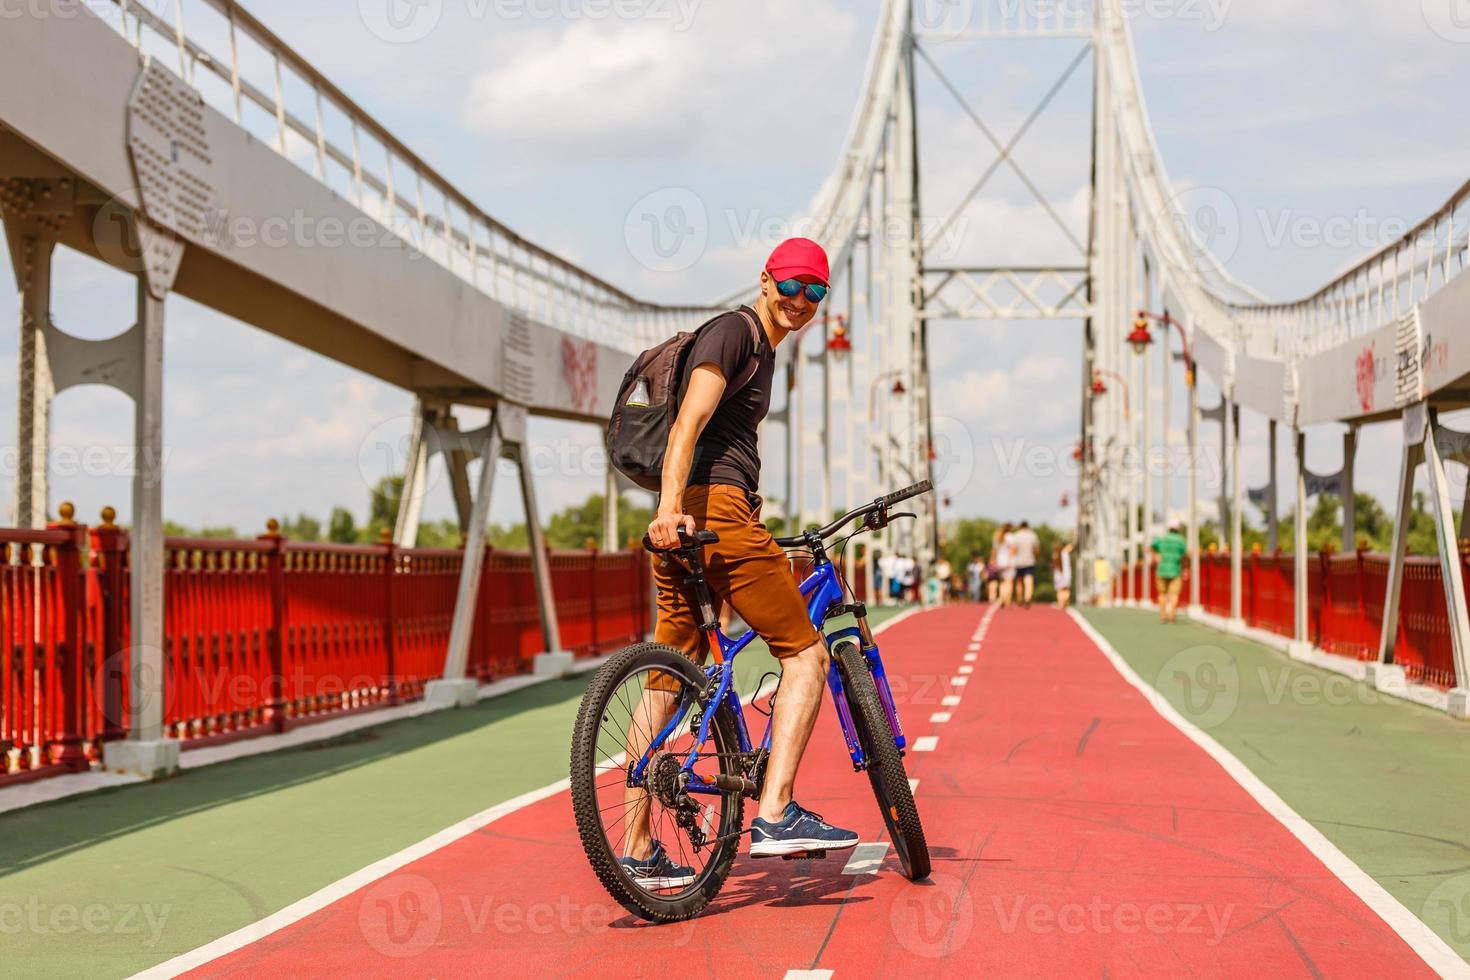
column 706, row 386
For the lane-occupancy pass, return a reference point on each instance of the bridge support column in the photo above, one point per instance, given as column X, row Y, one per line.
column 457, row 464
column 1236, row 547
column 1385, row 674
column 454, row 689
column 553, row 660
column 1273, row 541
column 610, row 502
column 1349, row 502
column 32, row 260
column 1194, row 606
column 415, row 481
column 1301, row 643
column 1439, row 444
column 146, row 751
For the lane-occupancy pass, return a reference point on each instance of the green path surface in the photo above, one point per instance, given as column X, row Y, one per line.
column 1384, row 780
column 111, row 883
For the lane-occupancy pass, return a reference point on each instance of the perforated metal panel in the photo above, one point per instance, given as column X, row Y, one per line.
column 1408, row 380
column 169, row 148
column 518, row 378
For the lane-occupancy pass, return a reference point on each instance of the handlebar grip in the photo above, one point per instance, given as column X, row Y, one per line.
column 904, row 494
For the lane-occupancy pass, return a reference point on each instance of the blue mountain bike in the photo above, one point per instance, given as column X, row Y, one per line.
column 661, row 751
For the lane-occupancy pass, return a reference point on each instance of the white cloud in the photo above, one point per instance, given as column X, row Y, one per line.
column 640, row 89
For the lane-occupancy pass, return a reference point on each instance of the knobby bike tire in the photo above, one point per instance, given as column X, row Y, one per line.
column 695, row 897
column 885, row 764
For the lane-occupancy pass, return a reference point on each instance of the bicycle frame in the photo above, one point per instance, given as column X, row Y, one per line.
column 822, row 591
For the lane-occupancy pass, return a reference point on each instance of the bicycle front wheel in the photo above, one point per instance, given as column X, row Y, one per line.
column 885, row 765
column 629, row 704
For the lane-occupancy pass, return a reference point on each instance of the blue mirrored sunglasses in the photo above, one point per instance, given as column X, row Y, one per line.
column 815, row 291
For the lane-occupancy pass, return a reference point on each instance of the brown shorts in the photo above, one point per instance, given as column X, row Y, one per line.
column 746, row 569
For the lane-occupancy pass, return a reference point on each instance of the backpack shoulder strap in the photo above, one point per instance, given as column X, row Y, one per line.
column 755, row 358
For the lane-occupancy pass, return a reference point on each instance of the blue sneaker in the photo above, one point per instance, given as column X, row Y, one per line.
column 798, row 830
column 658, row 871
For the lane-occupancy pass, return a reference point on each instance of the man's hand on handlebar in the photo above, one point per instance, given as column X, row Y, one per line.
column 664, row 530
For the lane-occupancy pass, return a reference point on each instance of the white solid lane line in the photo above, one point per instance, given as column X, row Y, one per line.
column 1426, row 942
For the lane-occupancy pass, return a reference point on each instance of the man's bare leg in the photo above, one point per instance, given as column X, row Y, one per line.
column 649, row 718
column 803, row 678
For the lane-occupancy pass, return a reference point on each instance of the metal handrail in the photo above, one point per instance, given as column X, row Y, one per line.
column 522, row 274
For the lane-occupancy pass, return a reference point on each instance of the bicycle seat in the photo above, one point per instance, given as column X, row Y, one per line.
column 700, row 538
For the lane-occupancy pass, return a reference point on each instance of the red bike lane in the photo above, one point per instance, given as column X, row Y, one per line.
column 1073, row 829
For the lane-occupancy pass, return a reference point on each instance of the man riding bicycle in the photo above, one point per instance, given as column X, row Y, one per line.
column 711, row 475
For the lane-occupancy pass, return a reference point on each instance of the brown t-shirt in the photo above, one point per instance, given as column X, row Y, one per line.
column 727, row 450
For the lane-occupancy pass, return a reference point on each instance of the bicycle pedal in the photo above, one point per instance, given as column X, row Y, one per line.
column 805, row 856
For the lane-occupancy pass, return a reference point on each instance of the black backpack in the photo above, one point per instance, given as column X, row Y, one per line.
column 648, row 402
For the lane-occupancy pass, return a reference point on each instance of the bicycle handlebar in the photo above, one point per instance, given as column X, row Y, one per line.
column 880, row 505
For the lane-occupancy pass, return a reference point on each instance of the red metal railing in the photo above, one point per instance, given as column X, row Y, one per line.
column 1268, row 593
column 42, row 653
column 1344, row 605
column 1214, row 583
column 264, row 635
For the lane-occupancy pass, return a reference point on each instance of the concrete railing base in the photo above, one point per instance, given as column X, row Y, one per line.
column 457, row 693
column 151, row 760
column 554, row 663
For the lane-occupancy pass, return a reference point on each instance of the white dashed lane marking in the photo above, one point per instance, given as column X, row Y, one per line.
column 971, row 657
column 865, row 860
column 913, row 785
column 808, row 975
column 939, row 717
column 959, row 681
column 926, row 743
column 966, row 669
column 950, row 700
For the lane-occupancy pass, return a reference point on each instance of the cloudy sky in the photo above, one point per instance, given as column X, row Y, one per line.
column 1327, row 129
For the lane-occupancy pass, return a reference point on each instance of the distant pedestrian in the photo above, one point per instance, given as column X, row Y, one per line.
column 1005, row 562
column 888, row 585
column 975, row 578
column 1171, row 549
column 942, row 572
column 1025, row 544
column 1061, row 573
column 908, row 575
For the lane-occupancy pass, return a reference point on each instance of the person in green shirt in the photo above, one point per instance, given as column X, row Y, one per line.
column 1171, row 549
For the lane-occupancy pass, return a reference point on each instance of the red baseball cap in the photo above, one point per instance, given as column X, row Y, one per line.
column 799, row 257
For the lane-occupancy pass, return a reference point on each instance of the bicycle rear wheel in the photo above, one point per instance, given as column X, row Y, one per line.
column 885, row 765
column 630, row 700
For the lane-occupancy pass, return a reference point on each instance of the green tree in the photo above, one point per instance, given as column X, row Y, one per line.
column 302, row 528
column 221, row 533
column 341, row 526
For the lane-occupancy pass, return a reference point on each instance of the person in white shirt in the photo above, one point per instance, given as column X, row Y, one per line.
column 1025, row 544
column 888, row 578
column 1005, row 561
column 1061, row 574
column 908, row 574
column 942, row 571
